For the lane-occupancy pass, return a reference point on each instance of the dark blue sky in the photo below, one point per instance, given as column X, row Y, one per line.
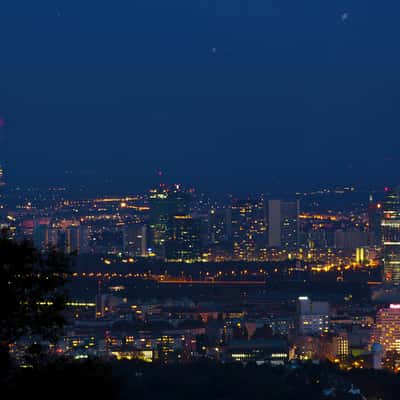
column 216, row 92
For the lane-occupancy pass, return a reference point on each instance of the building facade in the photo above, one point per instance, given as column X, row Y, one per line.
column 391, row 237
column 283, row 223
column 134, row 238
column 386, row 330
column 313, row 316
column 165, row 203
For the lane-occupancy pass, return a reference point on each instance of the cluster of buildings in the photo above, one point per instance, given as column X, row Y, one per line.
column 262, row 330
column 183, row 331
column 174, row 224
column 168, row 224
column 68, row 236
column 171, row 224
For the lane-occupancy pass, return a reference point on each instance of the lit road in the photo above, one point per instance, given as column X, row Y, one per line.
column 189, row 282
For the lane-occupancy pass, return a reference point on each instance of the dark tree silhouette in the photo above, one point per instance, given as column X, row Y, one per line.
column 32, row 294
column 64, row 378
column 33, row 297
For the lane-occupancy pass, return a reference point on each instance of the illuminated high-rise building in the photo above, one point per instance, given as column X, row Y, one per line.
column 219, row 224
column 248, row 231
column 335, row 345
column 134, row 239
column 76, row 239
column 283, row 223
column 183, row 239
column 52, row 239
column 40, row 236
column 313, row 316
column 360, row 255
column 391, row 237
column 65, row 236
column 165, row 203
column 340, row 345
column 375, row 223
column 386, row 330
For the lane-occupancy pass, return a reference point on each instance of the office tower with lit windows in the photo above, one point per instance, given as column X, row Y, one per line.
column 312, row 316
column 159, row 216
column 386, row 330
column 76, row 239
column 335, row 346
column 183, row 239
column 375, row 223
column 65, row 236
column 219, row 226
column 217, row 241
column 340, row 345
column 40, row 237
column 248, row 231
column 134, row 239
column 283, row 223
column 165, row 203
column 391, row 237
column 51, row 239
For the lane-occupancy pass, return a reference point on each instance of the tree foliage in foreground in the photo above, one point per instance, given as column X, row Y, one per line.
column 32, row 294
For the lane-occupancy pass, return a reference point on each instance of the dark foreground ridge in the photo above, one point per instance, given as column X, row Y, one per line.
column 93, row 379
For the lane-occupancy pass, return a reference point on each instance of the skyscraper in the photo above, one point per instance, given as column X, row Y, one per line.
column 375, row 222
column 391, row 237
column 165, row 203
column 70, row 237
column 219, row 222
column 183, row 239
column 248, row 228
column 283, row 223
column 134, row 239
column 76, row 239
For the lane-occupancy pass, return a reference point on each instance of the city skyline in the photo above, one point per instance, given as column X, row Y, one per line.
column 200, row 199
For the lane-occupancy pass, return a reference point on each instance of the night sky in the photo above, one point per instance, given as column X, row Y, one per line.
column 217, row 93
